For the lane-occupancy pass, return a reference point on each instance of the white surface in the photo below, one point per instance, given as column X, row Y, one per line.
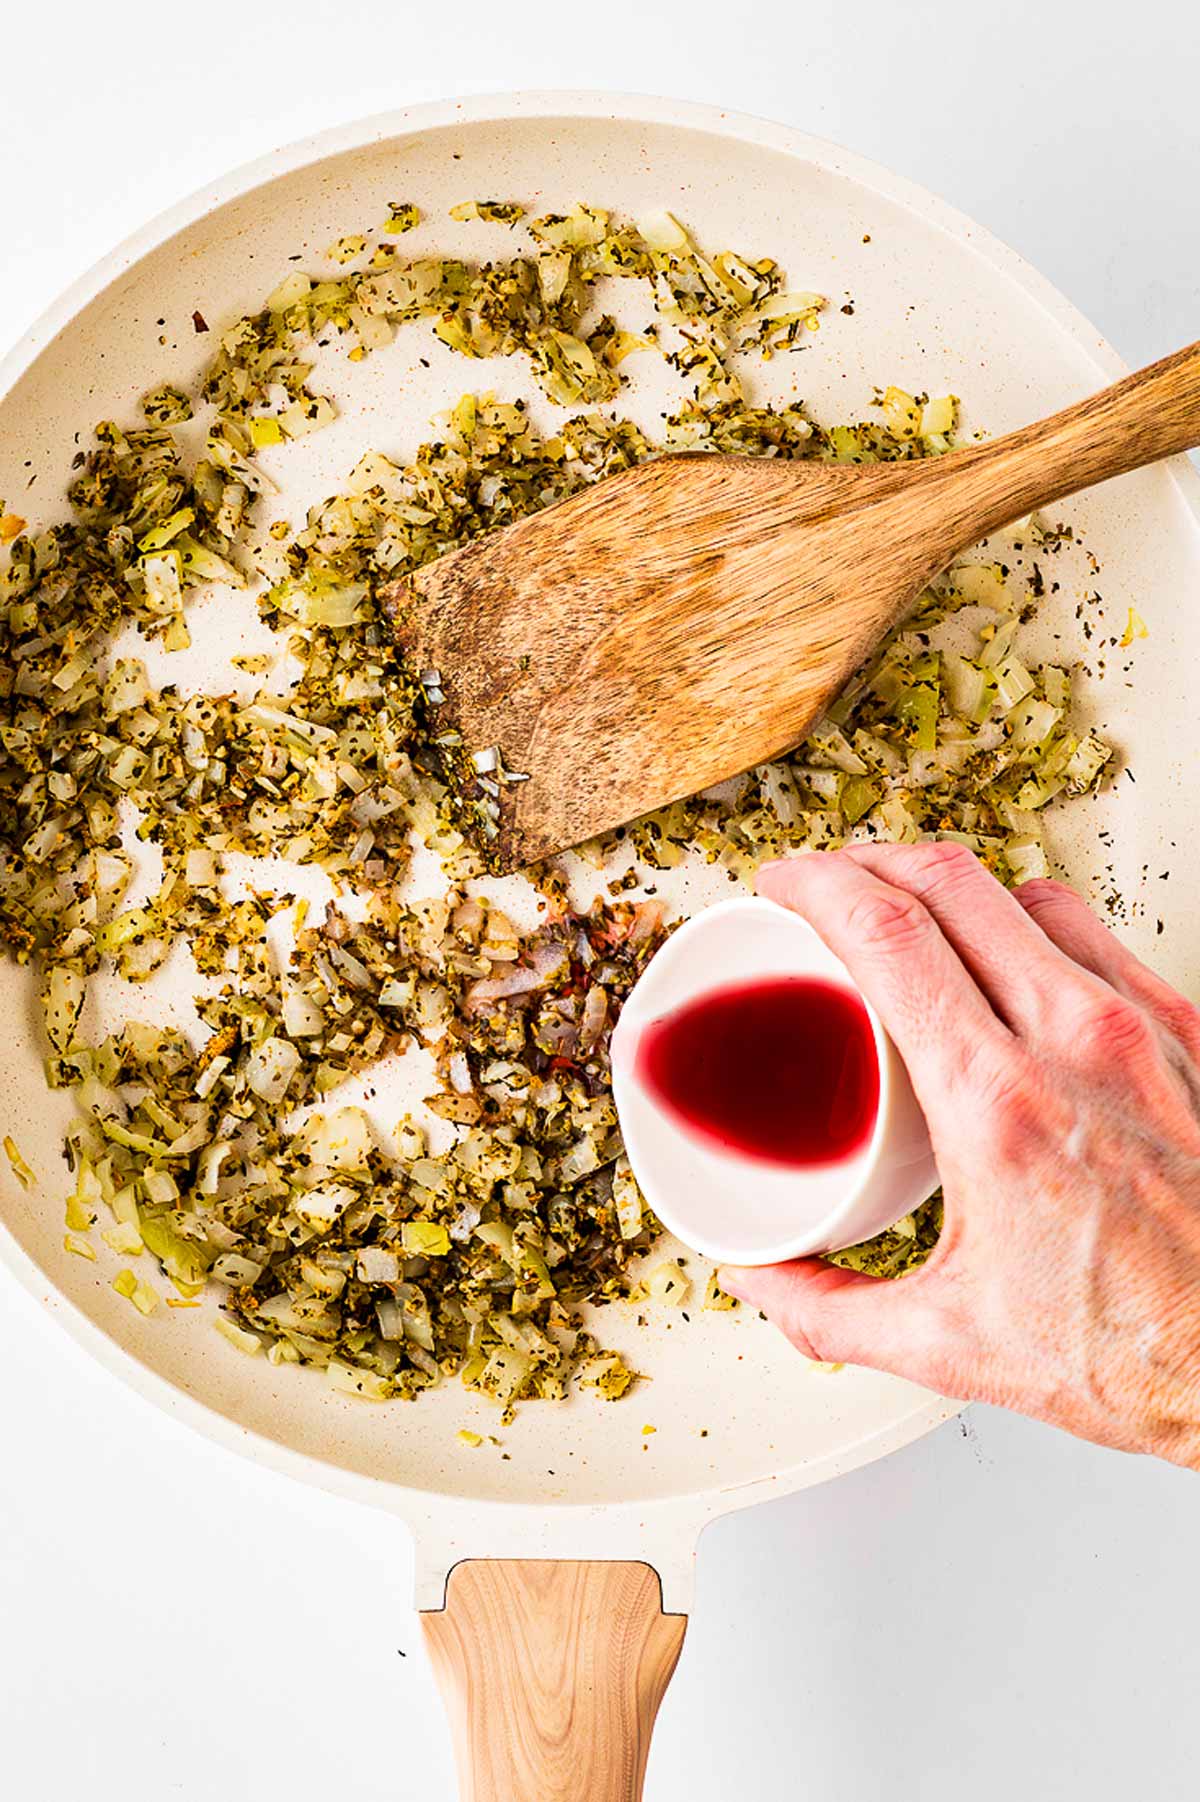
column 1018, row 1606
column 783, row 1212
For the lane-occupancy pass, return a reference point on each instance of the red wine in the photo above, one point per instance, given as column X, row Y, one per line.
column 783, row 1069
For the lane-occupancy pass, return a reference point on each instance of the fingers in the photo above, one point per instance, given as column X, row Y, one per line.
column 1029, row 980
column 1068, row 922
column 903, row 963
column 841, row 1317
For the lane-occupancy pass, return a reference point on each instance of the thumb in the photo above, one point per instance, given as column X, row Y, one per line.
column 843, row 1317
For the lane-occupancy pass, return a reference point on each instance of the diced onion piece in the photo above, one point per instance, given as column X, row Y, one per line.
column 20, row 1168
column 1013, row 682
column 302, row 1018
column 248, row 1343
column 1087, row 762
column 836, row 749
column 200, row 868
column 338, row 1140
column 238, row 1271
column 938, row 416
column 668, row 1283
column 608, row 1374
column 293, row 289
column 969, row 689
column 580, row 1161
column 982, row 585
column 998, row 645
column 505, row 1373
column 715, row 1298
column 271, row 1067
column 1135, row 627
column 307, row 416
column 208, row 1173
column 125, row 1240
column 181, row 1257
column 321, row 1206
column 136, row 1291
column 1026, row 858
column 348, row 1379
column 627, row 1199
column 376, row 1264
column 425, row 1238
column 1031, row 721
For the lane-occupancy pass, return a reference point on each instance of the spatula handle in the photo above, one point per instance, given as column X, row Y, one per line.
column 1151, row 414
column 552, row 1672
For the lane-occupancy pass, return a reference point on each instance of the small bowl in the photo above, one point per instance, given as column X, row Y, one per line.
column 737, row 1209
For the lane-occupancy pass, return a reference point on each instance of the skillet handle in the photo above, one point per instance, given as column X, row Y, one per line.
column 552, row 1672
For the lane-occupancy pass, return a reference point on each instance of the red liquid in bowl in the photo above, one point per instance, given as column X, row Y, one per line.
column 782, row 1069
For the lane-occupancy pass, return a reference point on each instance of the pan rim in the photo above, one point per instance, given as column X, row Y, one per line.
column 1006, row 264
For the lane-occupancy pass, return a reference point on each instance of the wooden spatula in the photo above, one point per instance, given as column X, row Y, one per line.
column 690, row 618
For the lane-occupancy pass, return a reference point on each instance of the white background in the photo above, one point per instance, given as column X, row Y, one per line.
column 994, row 1613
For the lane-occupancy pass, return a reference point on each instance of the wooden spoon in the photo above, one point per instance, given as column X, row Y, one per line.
column 690, row 618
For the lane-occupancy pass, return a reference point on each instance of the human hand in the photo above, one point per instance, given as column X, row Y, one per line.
column 1060, row 1079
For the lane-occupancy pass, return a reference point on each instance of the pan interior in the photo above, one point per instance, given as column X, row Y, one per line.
column 729, row 1402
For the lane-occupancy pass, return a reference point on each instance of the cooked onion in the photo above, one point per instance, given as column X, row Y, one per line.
column 387, row 1263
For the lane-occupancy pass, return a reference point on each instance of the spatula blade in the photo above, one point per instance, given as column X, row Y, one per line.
column 662, row 631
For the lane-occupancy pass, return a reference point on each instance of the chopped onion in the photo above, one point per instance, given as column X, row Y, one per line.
column 231, row 1267
column 229, row 1159
column 271, row 1068
column 375, row 1264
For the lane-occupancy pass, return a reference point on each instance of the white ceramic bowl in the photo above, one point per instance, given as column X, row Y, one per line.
column 737, row 1209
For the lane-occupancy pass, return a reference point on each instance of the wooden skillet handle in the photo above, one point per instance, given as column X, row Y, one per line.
column 552, row 1672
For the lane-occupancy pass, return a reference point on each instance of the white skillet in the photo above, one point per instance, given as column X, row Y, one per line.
column 570, row 1657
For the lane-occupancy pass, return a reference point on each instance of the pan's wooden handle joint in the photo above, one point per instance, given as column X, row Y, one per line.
column 552, row 1673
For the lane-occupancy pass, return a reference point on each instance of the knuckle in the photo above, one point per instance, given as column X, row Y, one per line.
column 982, row 1067
column 948, row 859
column 937, row 867
column 1046, row 899
column 1180, row 1018
column 1012, row 1099
column 887, row 920
column 1109, row 1030
column 950, row 874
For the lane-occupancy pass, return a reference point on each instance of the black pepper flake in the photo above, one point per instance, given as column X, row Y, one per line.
column 199, row 322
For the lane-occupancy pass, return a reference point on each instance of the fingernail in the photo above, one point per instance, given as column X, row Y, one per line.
column 734, row 1281
column 769, row 874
